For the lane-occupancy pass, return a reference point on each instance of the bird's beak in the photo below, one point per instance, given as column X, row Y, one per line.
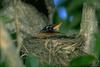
column 57, row 27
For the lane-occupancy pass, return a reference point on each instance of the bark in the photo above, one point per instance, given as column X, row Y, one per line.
column 51, row 10
column 89, row 27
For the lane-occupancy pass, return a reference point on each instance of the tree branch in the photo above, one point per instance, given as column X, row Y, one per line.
column 89, row 27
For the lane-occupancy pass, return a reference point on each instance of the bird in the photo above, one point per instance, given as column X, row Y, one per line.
column 53, row 28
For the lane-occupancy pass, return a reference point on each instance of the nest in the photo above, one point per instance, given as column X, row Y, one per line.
column 54, row 49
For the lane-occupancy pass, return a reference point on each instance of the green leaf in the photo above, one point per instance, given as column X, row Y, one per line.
column 31, row 61
column 3, row 63
column 97, row 47
column 82, row 61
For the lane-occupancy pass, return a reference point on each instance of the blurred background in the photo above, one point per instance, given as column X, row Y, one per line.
column 67, row 12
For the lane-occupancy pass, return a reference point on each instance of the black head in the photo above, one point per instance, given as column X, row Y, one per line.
column 48, row 29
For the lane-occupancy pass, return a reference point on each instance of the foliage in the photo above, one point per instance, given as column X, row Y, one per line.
column 71, row 16
column 97, row 48
column 98, row 15
column 31, row 61
column 3, row 64
column 82, row 61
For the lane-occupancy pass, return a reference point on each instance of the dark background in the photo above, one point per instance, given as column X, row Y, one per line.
column 39, row 4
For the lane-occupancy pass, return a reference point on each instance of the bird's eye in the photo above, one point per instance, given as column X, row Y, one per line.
column 47, row 27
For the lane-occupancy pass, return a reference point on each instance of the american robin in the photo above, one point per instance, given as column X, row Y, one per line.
column 51, row 28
